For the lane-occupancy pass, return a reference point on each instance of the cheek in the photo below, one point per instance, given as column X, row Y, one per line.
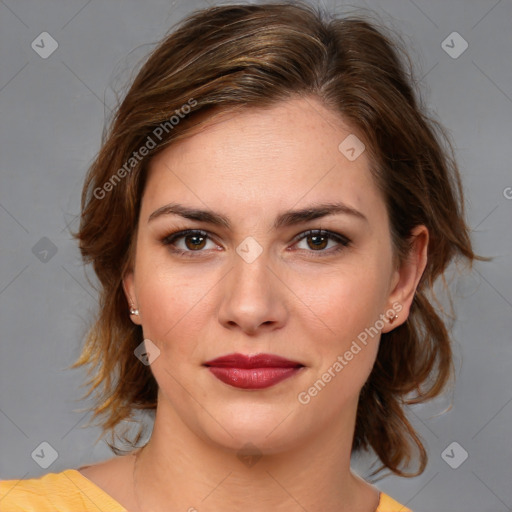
column 347, row 300
column 174, row 310
column 342, row 321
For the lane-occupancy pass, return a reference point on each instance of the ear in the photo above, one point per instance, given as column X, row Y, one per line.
column 129, row 291
column 406, row 278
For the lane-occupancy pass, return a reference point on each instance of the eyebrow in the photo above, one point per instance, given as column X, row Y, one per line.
column 285, row 219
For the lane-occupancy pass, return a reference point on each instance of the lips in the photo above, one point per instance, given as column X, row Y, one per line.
column 252, row 372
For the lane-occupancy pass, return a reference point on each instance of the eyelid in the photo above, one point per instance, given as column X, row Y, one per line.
column 343, row 240
column 179, row 233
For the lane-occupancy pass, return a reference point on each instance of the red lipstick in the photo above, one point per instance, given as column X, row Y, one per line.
column 252, row 372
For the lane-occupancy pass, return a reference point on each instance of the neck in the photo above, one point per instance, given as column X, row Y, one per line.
column 182, row 469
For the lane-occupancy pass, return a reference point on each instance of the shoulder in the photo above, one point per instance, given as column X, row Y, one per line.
column 388, row 504
column 55, row 492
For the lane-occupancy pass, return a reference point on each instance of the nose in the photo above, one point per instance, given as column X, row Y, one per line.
column 253, row 297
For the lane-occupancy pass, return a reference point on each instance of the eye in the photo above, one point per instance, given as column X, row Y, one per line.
column 318, row 240
column 193, row 240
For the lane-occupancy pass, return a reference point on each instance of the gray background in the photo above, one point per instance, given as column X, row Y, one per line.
column 52, row 113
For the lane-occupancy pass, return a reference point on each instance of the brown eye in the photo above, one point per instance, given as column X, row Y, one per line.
column 188, row 242
column 195, row 242
column 318, row 241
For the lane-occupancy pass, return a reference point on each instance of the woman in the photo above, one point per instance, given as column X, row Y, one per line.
column 267, row 216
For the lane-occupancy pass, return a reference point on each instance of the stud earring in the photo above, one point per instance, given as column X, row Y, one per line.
column 393, row 318
column 134, row 311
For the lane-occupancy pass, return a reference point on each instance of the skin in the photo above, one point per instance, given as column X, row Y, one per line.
column 294, row 300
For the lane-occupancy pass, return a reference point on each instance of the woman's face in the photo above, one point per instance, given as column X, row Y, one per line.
column 255, row 280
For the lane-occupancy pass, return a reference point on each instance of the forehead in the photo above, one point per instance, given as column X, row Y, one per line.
column 259, row 158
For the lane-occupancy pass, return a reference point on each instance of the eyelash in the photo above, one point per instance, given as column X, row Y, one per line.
column 343, row 241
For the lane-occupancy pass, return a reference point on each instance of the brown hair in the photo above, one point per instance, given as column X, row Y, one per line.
column 240, row 56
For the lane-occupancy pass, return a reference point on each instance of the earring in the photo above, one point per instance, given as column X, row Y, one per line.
column 134, row 311
column 393, row 318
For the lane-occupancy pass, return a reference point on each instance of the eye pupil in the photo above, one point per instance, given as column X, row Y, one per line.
column 195, row 244
column 318, row 241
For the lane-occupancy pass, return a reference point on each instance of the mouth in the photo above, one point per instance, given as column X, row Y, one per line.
column 252, row 372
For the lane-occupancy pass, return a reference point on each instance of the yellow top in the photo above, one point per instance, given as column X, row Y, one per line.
column 70, row 491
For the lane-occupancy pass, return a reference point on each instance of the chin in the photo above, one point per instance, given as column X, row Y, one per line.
column 271, row 430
